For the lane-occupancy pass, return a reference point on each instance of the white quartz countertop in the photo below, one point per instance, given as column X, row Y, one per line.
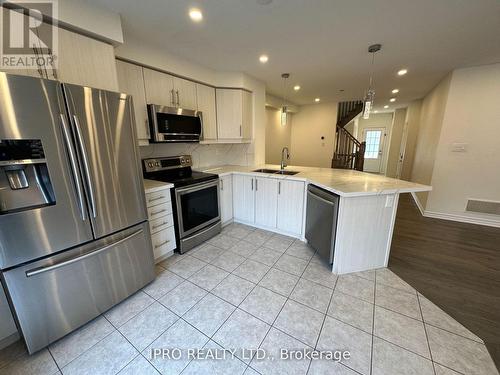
column 344, row 182
column 151, row 186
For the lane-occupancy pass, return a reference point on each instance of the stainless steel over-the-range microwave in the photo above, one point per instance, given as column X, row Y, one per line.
column 171, row 124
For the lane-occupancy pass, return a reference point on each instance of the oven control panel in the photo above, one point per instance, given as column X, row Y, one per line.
column 160, row 164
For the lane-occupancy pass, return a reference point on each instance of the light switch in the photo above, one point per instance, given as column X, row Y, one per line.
column 459, row 147
column 389, row 200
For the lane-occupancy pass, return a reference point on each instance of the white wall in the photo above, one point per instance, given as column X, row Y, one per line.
column 412, row 123
column 308, row 126
column 204, row 155
column 471, row 117
column 431, row 121
column 277, row 135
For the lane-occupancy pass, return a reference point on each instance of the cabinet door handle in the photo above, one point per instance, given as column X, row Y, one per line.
column 240, row 130
column 222, row 184
column 279, row 187
column 172, row 100
column 156, row 198
column 158, row 212
column 252, row 184
column 161, row 224
column 256, row 185
column 161, row 244
column 178, row 101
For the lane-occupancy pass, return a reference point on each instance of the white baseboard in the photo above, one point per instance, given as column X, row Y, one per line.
column 463, row 219
column 455, row 217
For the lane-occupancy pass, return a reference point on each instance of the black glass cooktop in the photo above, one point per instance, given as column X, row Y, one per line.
column 181, row 176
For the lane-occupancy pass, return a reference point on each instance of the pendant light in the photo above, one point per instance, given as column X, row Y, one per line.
column 370, row 93
column 284, row 108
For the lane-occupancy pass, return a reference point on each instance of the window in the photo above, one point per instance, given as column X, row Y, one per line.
column 372, row 139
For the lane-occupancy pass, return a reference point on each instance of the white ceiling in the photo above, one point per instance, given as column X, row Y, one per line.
column 323, row 43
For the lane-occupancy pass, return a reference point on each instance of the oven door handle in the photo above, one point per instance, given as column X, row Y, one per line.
column 193, row 188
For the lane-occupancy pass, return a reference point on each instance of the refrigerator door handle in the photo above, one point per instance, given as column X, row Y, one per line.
column 52, row 267
column 86, row 166
column 74, row 168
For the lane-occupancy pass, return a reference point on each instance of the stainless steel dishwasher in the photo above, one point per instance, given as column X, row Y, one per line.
column 321, row 221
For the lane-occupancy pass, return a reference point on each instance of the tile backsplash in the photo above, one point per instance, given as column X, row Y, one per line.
column 203, row 155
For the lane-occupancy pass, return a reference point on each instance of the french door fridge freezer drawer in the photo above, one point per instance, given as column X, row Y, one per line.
column 54, row 296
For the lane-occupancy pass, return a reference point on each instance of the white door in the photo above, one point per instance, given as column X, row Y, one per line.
column 226, row 198
column 229, row 113
column 244, row 198
column 374, row 138
column 185, row 93
column 402, row 151
column 266, row 194
column 206, row 104
column 290, row 206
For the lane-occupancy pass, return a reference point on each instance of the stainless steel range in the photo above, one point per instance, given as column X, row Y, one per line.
column 195, row 199
column 74, row 239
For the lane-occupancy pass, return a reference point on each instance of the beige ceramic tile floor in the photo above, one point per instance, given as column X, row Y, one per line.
column 249, row 289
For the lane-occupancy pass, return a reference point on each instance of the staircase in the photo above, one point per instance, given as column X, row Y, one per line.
column 349, row 152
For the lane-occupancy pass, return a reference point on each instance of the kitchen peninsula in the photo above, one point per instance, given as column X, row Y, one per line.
column 366, row 212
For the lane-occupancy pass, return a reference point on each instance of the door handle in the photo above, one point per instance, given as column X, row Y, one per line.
column 172, row 100
column 86, row 166
column 256, row 184
column 279, row 187
column 178, row 101
column 74, row 168
column 54, row 266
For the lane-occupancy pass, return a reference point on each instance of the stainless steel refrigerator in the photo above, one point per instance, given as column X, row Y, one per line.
column 74, row 239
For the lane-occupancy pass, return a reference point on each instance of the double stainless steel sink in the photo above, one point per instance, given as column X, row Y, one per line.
column 276, row 171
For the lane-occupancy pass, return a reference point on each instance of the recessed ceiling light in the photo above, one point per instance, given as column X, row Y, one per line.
column 195, row 14
column 386, row 106
column 317, row 100
column 296, row 87
column 402, row 72
column 263, row 59
column 395, row 91
column 375, row 111
column 392, row 100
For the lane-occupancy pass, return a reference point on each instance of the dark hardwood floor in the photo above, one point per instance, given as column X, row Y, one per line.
column 455, row 265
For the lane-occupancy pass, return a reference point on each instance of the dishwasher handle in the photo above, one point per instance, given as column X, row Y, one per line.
column 323, row 195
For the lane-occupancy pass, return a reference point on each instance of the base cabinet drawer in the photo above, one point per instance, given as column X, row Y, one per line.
column 163, row 242
column 158, row 197
column 161, row 210
column 161, row 223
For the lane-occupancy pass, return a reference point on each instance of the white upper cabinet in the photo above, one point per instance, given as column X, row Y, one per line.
column 159, row 88
column 243, row 198
column 234, row 114
column 86, row 61
column 247, row 115
column 130, row 81
column 185, row 93
column 206, row 104
column 226, row 198
column 266, row 194
column 290, row 206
